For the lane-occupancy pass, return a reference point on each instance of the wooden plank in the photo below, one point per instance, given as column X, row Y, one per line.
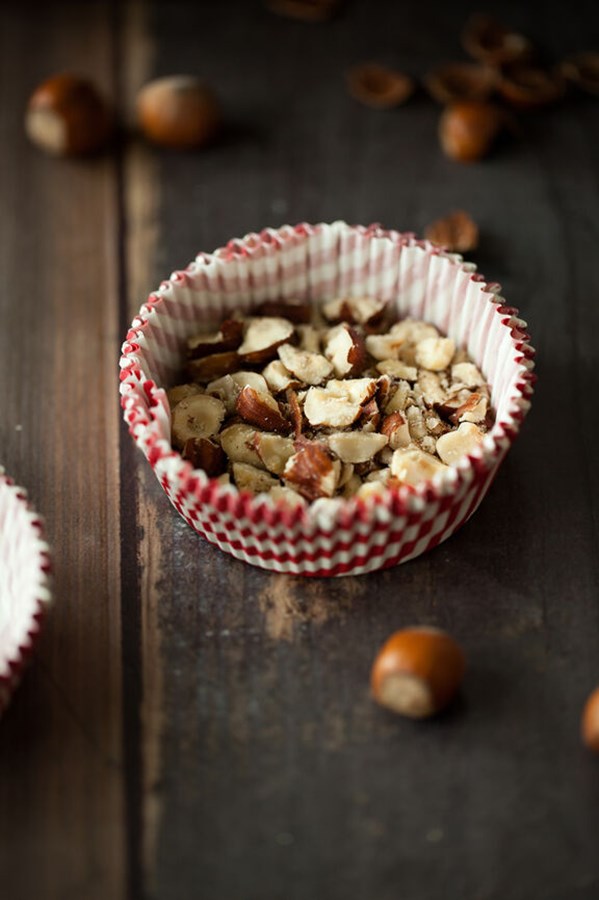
column 278, row 777
column 62, row 824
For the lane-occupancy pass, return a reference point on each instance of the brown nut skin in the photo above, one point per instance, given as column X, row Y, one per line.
column 460, row 81
column 458, row 232
column 467, row 130
column 179, row 112
column 378, row 86
column 417, row 672
column 66, row 116
column 590, row 722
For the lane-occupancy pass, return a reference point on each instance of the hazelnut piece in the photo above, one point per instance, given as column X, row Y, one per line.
column 488, row 40
column 178, row 111
column 590, row 722
column 582, row 69
column 379, row 86
column 460, row 81
column 66, row 116
column 417, row 672
column 456, row 232
column 528, row 87
column 467, row 130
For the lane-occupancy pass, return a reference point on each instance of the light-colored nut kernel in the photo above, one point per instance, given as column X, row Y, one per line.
column 339, row 404
column 428, row 444
column 435, row 353
column 278, row 378
column 370, row 489
column 473, row 410
column 238, row 443
column 292, row 498
column 383, row 346
column 399, row 398
column 262, row 337
column 468, row 374
column 380, row 475
column 351, row 486
column 416, row 423
column 261, row 409
column 250, row 478
column 273, row 450
column 344, row 347
column 227, row 338
column 309, row 338
column 312, row 471
column 413, row 330
column 397, row 369
column 347, row 470
column 417, row 672
column 360, row 310
column 397, row 430
column 430, row 387
column 356, row 446
column 181, row 392
column 229, row 387
column 311, row 368
column 454, row 445
column 412, row 465
column 196, row 417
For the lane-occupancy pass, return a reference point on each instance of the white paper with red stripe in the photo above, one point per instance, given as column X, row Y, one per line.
column 318, row 263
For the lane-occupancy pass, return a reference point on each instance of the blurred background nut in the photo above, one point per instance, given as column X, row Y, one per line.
column 378, row 86
column 582, row 69
column 468, row 129
column 178, row 111
column 528, row 87
column 460, row 81
column 489, row 41
column 66, row 116
column 457, row 232
column 590, row 722
column 417, row 672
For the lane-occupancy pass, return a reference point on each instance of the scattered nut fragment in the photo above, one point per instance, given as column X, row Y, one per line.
column 453, row 446
column 582, row 69
column 529, row 87
column 468, row 129
column 263, row 337
column 435, row 353
column 312, row 368
column 178, row 111
column 411, row 466
column 417, row 672
column 66, row 116
column 379, row 86
column 339, row 404
column 590, row 722
column 229, row 387
column 461, row 81
column 261, row 409
column 278, row 377
column 356, row 446
column 457, row 232
column 197, row 416
column 397, row 430
column 274, row 450
column 398, row 398
column 467, row 373
column 384, row 346
column 474, row 409
column 204, row 453
column 238, row 442
column 345, row 349
column 312, row 470
column 488, row 40
column 397, row 369
column 227, row 338
column 250, row 478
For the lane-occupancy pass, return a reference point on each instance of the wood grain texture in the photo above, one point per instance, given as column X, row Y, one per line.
column 280, row 778
column 62, row 807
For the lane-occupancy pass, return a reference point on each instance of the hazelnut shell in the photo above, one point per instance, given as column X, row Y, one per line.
column 66, row 116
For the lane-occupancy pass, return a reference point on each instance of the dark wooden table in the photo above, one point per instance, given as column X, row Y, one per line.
column 193, row 727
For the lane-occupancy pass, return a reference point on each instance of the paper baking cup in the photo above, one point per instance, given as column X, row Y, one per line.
column 318, row 263
column 24, row 583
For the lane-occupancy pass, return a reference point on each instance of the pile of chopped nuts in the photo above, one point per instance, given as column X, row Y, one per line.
column 333, row 401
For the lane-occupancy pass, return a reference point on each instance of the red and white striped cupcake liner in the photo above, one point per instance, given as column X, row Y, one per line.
column 317, row 263
column 24, row 583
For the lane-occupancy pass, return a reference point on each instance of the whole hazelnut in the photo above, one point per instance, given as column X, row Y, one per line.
column 467, row 130
column 178, row 111
column 417, row 672
column 590, row 722
column 66, row 116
